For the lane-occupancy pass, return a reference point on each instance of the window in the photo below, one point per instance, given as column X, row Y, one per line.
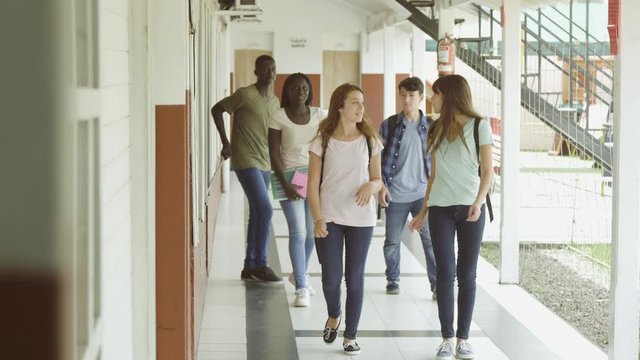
column 86, row 174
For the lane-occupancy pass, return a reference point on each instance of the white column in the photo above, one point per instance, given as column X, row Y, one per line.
column 509, row 261
column 389, row 70
column 623, row 335
column 224, row 71
column 445, row 20
column 418, row 65
column 142, row 168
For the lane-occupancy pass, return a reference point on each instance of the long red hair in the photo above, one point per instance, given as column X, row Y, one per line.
column 329, row 125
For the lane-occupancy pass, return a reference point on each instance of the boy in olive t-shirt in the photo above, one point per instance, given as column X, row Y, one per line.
column 252, row 107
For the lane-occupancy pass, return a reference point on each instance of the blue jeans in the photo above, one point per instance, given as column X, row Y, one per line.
column 255, row 183
column 444, row 222
column 397, row 214
column 356, row 241
column 301, row 240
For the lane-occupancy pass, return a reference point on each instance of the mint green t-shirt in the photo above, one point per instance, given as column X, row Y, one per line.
column 456, row 180
column 251, row 115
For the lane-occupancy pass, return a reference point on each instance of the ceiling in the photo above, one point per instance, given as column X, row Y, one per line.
column 378, row 6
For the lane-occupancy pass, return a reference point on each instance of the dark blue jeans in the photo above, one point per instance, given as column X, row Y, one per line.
column 255, row 183
column 444, row 223
column 356, row 241
column 396, row 223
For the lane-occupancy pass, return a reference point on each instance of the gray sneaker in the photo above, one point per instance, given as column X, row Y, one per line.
column 445, row 350
column 393, row 288
column 464, row 350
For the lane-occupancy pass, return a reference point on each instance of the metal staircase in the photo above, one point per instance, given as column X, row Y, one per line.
column 532, row 98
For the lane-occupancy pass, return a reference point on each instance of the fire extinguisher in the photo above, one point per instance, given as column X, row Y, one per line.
column 446, row 56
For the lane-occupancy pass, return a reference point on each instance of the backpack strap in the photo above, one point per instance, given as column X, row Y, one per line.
column 324, row 150
column 476, row 139
column 392, row 124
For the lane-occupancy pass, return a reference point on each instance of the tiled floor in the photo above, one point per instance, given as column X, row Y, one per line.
column 508, row 322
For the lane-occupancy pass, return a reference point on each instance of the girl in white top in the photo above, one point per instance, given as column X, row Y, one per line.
column 290, row 130
column 454, row 201
column 344, row 177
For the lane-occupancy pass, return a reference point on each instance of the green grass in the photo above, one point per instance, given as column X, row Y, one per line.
column 599, row 252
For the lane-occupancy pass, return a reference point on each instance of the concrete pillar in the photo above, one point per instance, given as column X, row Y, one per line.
column 418, row 65
column 389, row 70
column 142, row 138
column 509, row 259
column 623, row 335
column 223, row 72
column 446, row 19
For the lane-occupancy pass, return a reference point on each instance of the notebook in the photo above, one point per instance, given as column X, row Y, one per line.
column 300, row 178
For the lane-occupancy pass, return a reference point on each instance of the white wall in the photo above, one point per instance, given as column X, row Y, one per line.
column 115, row 179
column 167, row 52
column 373, row 52
column 321, row 26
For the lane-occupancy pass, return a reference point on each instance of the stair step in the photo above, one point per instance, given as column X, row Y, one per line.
column 479, row 39
column 422, row 3
column 492, row 57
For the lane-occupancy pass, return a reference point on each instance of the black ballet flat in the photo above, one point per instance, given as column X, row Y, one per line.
column 329, row 335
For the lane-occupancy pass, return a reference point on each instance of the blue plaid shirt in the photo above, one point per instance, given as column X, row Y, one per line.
column 390, row 154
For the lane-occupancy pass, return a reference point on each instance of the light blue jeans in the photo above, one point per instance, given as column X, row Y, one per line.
column 255, row 183
column 301, row 241
column 397, row 214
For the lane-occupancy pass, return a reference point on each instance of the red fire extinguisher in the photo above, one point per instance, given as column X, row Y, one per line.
column 446, row 55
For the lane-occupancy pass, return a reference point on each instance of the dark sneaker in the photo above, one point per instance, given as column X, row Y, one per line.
column 393, row 288
column 351, row 348
column 245, row 275
column 265, row 274
column 329, row 334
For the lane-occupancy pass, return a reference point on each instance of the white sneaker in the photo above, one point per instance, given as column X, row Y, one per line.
column 292, row 281
column 464, row 350
column 445, row 350
column 302, row 298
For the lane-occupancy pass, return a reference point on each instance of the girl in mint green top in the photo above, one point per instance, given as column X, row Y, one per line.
column 454, row 201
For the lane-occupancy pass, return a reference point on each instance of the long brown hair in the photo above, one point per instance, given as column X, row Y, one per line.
column 456, row 99
column 329, row 125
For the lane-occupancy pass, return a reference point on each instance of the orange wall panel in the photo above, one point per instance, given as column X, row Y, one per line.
column 399, row 78
column 173, row 315
column 373, row 87
column 31, row 315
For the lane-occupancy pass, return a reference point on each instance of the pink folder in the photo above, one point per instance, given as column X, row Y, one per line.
column 300, row 179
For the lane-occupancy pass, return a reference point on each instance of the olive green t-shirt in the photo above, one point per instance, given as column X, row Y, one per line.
column 251, row 114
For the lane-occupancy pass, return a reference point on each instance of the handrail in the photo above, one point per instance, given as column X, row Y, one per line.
column 535, row 104
column 588, row 76
column 566, row 72
column 600, row 69
column 584, row 56
column 574, row 23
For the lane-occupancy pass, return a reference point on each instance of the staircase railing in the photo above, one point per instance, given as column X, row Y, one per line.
column 531, row 100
